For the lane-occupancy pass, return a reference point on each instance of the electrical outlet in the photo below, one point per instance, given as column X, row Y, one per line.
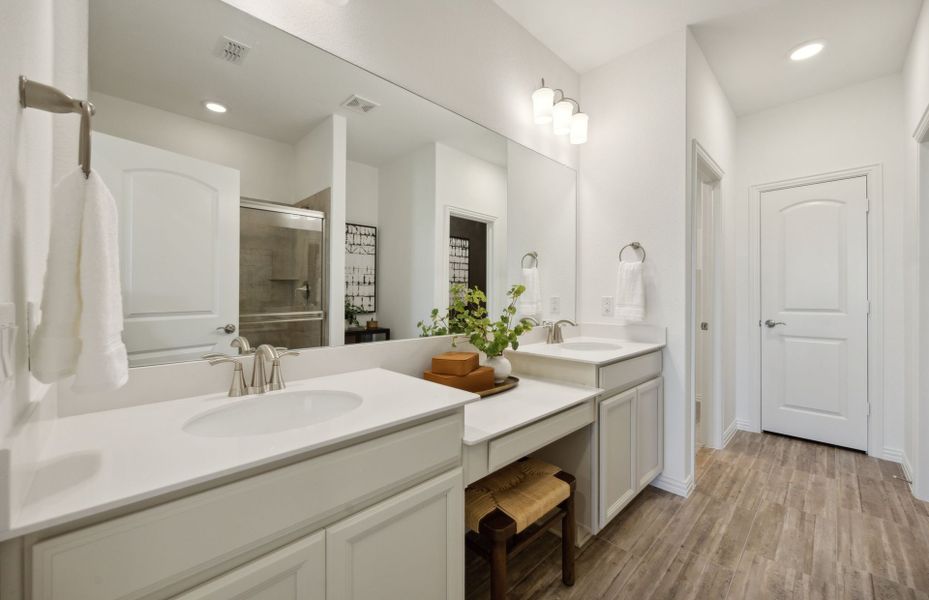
column 606, row 306
column 554, row 305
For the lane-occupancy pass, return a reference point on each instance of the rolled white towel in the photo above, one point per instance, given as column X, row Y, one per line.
column 530, row 303
column 630, row 292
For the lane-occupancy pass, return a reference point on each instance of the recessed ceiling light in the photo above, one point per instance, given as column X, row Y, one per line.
column 807, row 50
column 214, row 106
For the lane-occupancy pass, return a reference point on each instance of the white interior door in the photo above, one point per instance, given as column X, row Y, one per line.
column 814, row 308
column 179, row 248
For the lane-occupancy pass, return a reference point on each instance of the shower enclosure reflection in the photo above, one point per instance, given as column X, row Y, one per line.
column 282, row 275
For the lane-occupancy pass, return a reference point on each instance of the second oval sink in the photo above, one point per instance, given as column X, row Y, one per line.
column 590, row 346
column 273, row 413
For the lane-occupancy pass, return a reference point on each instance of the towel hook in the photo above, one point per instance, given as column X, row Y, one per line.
column 33, row 94
column 534, row 258
column 634, row 246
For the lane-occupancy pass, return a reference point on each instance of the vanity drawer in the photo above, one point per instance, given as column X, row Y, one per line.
column 143, row 553
column 630, row 373
column 513, row 446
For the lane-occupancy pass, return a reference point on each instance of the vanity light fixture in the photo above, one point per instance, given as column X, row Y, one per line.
column 807, row 50
column 565, row 115
column 214, row 106
column 579, row 128
column 543, row 100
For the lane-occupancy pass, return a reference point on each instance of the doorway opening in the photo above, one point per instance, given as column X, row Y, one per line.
column 467, row 253
column 706, row 197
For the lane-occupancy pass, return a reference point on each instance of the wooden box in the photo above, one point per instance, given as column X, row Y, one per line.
column 455, row 363
column 477, row 380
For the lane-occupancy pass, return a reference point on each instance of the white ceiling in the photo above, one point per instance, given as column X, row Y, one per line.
column 161, row 54
column 745, row 41
column 590, row 33
column 748, row 51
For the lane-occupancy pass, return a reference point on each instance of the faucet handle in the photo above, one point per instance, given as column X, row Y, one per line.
column 276, row 381
column 242, row 344
column 238, row 387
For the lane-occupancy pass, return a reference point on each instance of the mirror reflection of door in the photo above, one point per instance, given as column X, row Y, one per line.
column 467, row 253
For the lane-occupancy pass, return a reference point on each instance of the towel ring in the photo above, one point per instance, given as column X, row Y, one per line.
column 534, row 258
column 634, row 246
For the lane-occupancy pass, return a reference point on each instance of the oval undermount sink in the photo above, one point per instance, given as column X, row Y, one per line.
column 590, row 346
column 273, row 413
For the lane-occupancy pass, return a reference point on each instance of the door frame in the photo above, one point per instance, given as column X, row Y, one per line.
column 441, row 287
column 875, row 241
column 705, row 169
column 916, row 468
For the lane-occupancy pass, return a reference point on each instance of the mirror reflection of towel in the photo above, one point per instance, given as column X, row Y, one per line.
column 630, row 292
column 530, row 303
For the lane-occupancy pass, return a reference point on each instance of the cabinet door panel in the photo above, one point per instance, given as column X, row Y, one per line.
column 410, row 546
column 295, row 572
column 617, row 460
column 649, row 419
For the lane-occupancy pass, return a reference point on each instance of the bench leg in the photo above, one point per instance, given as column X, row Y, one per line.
column 568, row 537
column 498, row 570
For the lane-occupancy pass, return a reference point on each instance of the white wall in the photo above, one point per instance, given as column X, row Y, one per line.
column 541, row 202
column 852, row 127
column 465, row 184
column 45, row 40
column 712, row 122
column 632, row 189
column 916, row 413
column 321, row 157
column 406, row 241
column 266, row 166
column 361, row 183
column 471, row 56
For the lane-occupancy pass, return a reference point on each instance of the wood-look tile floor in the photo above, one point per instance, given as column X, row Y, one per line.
column 771, row 517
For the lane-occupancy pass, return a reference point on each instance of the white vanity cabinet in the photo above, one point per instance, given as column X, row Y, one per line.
column 295, row 572
column 631, row 445
column 626, row 445
column 409, row 546
column 379, row 518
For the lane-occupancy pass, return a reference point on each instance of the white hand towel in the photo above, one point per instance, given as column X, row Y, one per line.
column 530, row 303
column 82, row 315
column 630, row 292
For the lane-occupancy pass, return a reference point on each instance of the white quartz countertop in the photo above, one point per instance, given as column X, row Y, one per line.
column 613, row 350
column 99, row 461
column 530, row 401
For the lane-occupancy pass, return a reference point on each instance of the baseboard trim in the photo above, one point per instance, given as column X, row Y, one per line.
column 893, row 455
column 676, row 486
column 907, row 467
column 746, row 425
column 730, row 431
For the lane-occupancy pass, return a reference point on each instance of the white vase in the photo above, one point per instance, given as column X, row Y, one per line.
column 501, row 366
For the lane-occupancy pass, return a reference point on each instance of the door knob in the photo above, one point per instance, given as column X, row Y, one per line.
column 771, row 323
column 228, row 328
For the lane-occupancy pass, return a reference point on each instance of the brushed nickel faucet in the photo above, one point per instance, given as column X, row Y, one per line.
column 261, row 382
column 555, row 331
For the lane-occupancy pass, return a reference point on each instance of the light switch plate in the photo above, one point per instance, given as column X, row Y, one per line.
column 606, row 306
column 554, row 305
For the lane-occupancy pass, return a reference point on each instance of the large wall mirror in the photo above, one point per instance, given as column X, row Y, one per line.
column 271, row 190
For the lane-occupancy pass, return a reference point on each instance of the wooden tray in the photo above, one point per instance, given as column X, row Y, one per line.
column 508, row 384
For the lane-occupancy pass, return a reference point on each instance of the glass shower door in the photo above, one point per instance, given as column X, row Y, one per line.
column 282, row 275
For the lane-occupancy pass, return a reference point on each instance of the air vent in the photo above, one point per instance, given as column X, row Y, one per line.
column 231, row 51
column 359, row 104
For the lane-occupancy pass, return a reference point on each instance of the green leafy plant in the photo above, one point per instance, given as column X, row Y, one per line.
column 351, row 313
column 468, row 316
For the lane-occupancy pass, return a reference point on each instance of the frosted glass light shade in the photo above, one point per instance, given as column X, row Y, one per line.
column 542, row 100
column 579, row 128
column 561, row 117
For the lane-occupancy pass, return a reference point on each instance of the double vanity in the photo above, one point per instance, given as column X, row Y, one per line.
column 342, row 486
